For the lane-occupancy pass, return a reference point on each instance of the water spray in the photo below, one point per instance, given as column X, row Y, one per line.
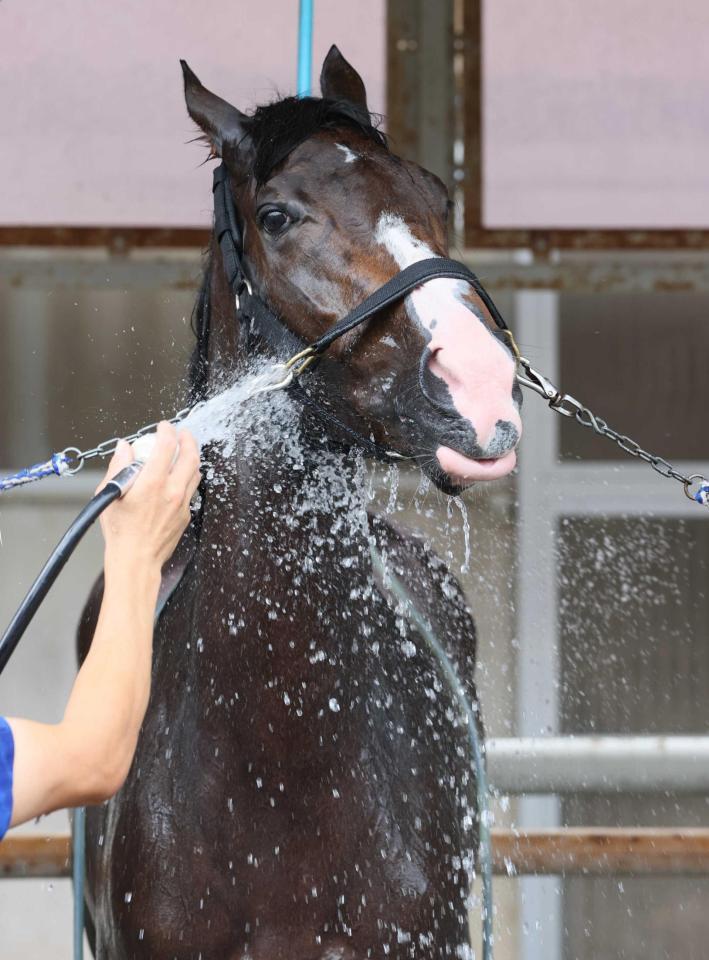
column 275, row 377
column 279, row 377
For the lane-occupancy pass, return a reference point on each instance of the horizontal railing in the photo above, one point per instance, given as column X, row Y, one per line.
column 546, row 765
column 568, row 851
column 612, row 764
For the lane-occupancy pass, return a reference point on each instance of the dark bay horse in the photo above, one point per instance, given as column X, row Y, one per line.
column 302, row 788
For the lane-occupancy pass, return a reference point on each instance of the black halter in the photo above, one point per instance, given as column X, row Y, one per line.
column 258, row 320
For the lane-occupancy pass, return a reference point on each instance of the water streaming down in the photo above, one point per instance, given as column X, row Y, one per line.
column 465, row 566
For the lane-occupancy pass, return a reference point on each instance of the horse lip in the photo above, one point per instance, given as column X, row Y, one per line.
column 464, row 470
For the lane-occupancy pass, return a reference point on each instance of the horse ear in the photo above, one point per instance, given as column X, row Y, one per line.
column 340, row 81
column 222, row 123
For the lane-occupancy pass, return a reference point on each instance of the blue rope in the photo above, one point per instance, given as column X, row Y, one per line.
column 305, row 47
column 57, row 465
column 702, row 495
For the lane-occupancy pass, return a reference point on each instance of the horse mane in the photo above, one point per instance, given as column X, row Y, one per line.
column 275, row 130
column 198, row 369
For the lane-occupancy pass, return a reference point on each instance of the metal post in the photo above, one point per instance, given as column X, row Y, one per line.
column 305, row 47
column 535, row 321
column 78, row 844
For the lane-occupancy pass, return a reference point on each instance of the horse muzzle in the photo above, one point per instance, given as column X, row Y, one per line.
column 482, row 425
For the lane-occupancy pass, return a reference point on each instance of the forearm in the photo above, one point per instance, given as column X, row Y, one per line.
column 85, row 757
column 109, row 698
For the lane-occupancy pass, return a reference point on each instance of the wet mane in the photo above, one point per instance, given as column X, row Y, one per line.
column 277, row 128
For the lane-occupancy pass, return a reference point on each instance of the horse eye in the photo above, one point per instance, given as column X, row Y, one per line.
column 274, row 221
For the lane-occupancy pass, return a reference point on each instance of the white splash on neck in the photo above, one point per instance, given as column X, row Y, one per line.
column 350, row 155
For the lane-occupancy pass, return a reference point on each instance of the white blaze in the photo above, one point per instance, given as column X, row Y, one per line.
column 433, row 300
column 476, row 367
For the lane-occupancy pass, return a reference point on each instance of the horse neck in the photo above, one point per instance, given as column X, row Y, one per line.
column 282, row 483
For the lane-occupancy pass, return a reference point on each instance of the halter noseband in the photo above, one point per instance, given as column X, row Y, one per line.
column 254, row 315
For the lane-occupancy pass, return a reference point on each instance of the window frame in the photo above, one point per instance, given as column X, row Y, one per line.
column 540, row 240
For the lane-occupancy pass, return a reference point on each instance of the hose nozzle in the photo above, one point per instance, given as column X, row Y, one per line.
column 126, row 477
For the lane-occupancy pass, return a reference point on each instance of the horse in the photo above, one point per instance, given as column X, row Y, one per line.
column 302, row 787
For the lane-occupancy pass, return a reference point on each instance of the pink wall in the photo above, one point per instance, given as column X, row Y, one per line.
column 93, row 119
column 596, row 113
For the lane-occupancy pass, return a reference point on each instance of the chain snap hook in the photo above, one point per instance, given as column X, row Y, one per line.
column 536, row 381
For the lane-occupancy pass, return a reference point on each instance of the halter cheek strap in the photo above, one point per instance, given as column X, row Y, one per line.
column 260, row 321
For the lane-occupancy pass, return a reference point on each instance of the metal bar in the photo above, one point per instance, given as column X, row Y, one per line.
column 599, row 764
column 78, row 865
column 96, row 268
column 435, row 89
column 305, row 47
column 472, row 120
column 569, row 851
column 542, row 241
column 536, row 316
column 117, row 238
column 403, row 102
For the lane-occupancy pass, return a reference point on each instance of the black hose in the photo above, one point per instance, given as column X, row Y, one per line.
column 114, row 489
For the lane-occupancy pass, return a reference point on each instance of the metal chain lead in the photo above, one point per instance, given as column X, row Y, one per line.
column 562, row 403
column 277, row 377
column 568, row 406
column 105, row 449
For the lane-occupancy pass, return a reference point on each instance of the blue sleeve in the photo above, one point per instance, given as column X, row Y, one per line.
column 7, row 758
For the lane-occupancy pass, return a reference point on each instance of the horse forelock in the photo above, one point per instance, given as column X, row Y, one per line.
column 277, row 128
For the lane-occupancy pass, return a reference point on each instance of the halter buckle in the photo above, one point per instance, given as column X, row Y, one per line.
column 301, row 361
column 237, row 296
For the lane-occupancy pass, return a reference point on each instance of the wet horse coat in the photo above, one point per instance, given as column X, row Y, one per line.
column 302, row 787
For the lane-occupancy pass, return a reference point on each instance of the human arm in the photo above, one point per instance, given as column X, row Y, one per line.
column 86, row 756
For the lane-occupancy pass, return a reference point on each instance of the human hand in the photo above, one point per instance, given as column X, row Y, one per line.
column 147, row 523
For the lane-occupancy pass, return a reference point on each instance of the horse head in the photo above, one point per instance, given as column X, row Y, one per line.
column 327, row 214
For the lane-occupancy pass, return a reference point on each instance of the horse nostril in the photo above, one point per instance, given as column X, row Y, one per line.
column 439, row 368
column 433, row 383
